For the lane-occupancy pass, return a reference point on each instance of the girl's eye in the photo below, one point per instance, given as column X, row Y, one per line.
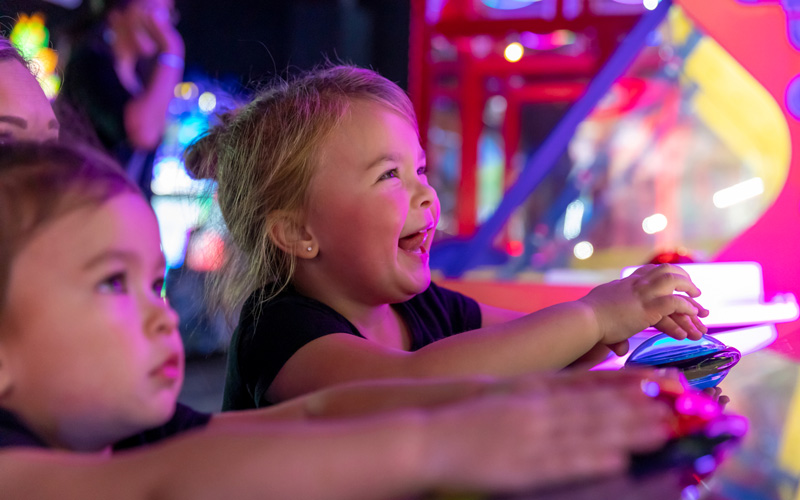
column 116, row 283
column 423, row 170
column 389, row 174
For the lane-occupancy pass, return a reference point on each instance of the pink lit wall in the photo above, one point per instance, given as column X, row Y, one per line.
column 757, row 36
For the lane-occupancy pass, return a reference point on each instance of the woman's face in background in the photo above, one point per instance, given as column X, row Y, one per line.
column 25, row 112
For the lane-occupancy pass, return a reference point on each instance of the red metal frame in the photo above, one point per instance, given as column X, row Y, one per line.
column 459, row 22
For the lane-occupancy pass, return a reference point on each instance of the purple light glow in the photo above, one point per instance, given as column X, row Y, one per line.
column 793, row 97
column 690, row 493
column 734, row 425
column 651, row 388
column 697, row 404
column 705, row 464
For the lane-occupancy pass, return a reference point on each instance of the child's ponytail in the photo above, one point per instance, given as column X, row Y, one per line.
column 201, row 157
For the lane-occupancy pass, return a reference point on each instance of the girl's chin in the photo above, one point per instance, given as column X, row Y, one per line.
column 418, row 284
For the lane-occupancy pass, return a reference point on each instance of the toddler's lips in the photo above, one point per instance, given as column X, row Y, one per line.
column 170, row 369
column 414, row 242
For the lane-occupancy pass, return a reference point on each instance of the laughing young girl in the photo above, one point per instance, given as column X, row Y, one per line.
column 323, row 186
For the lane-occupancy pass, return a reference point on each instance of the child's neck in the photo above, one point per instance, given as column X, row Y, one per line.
column 386, row 327
column 46, row 429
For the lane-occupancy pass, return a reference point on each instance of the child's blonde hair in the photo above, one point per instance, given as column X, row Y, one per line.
column 263, row 156
column 41, row 182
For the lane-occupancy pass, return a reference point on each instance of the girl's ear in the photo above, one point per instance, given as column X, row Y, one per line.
column 290, row 235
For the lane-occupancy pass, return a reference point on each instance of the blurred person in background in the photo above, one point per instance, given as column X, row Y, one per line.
column 120, row 77
column 25, row 112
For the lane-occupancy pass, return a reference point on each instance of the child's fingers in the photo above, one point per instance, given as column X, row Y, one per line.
column 664, row 283
column 655, row 269
column 644, row 270
column 715, row 393
column 665, row 305
column 701, row 311
column 619, row 348
column 699, row 324
column 671, row 328
column 685, row 322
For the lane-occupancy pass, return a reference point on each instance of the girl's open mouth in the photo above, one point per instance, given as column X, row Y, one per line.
column 414, row 242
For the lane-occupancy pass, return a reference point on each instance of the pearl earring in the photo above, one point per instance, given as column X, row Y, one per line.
column 309, row 249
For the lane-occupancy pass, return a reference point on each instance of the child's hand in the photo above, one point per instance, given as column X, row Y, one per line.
column 645, row 298
column 548, row 429
column 156, row 23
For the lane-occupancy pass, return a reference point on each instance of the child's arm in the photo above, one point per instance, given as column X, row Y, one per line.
column 495, row 443
column 551, row 338
column 368, row 397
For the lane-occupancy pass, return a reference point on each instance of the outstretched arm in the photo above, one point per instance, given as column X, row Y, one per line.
column 548, row 339
column 367, row 397
column 531, row 433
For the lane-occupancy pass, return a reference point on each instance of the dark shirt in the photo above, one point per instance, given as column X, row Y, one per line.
column 14, row 432
column 267, row 336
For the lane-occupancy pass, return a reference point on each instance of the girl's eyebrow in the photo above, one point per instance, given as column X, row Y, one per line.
column 23, row 123
column 16, row 121
column 383, row 158
column 110, row 255
column 394, row 157
column 126, row 256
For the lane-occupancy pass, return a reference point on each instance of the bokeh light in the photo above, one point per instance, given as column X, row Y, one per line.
column 513, row 52
column 583, row 250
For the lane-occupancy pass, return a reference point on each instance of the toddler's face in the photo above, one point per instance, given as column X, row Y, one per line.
column 25, row 112
column 92, row 350
column 372, row 210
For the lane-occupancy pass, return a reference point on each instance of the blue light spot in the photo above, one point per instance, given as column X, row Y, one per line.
column 793, row 97
column 508, row 4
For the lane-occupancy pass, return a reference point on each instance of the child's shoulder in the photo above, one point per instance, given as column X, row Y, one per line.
column 264, row 315
column 442, row 305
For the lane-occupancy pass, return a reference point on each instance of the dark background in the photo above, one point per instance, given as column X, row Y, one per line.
column 250, row 41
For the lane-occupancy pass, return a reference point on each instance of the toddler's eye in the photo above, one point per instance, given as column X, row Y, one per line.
column 388, row 174
column 116, row 283
column 159, row 287
column 423, row 170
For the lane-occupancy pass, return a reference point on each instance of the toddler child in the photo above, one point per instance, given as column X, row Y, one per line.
column 91, row 365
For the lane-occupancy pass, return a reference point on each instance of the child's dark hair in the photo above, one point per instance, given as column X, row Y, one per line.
column 263, row 157
column 8, row 51
column 41, row 182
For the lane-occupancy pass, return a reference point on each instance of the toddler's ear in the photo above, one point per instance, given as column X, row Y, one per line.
column 290, row 235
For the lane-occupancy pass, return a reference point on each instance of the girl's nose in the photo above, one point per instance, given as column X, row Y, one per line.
column 425, row 195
